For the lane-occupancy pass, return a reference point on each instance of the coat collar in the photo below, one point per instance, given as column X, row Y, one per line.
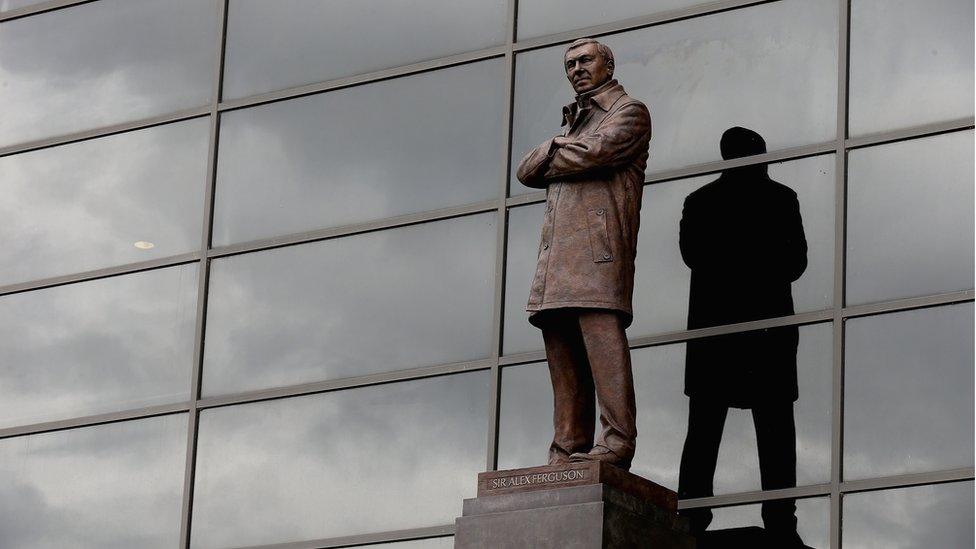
column 603, row 97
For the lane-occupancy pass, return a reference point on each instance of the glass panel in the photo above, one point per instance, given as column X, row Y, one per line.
column 910, row 218
column 662, row 415
column 7, row 5
column 110, row 344
column 735, row 232
column 376, row 302
column 275, row 45
column 734, row 527
column 907, row 518
column 103, row 202
column 908, row 386
column 911, row 63
column 362, row 153
column 771, row 68
column 387, row 457
column 541, row 17
column 109, row 486
column 103, row 63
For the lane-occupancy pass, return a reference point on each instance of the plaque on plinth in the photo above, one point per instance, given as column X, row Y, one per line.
column 584, row 505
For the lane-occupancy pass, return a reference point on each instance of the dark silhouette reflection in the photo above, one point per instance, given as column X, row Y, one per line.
column 743, row 239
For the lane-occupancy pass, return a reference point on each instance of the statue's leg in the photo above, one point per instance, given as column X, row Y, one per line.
column 609, row 357
column 572, row 387
column 706, row 421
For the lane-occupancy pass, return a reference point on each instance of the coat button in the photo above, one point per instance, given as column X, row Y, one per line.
column 545, row 245
column 606, row 256
column 599, row 212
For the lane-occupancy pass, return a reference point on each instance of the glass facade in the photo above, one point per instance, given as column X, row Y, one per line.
column 266, row 263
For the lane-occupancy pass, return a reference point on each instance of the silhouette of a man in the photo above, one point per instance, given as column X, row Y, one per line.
column 742, row 238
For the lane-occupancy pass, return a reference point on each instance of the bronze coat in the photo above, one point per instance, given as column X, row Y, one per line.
column 593, row 198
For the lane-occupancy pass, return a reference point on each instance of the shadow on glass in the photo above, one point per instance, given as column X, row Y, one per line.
column 742, row 237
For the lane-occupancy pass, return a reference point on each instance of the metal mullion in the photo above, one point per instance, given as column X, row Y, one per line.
column 97, row 419
column 635, row 23
column 908, row 304
column 193, row 419
column 314, row 387
column 813, row 317
column 757, row 496
column 501, row 242
column 961, row 474
column 840, row 261
column 354, row 229
column 96, row 274
column 105, row 131
column 914, row 132
column 364, row 78
column 427, row 532
column 43, row 7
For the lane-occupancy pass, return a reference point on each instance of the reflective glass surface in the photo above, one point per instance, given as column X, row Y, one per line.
column 113, row 486
column 101, row 346
column 400, row 146
column 910, row 218
column 541, row 17
column 103, row 63
column 316, row 311
column 109, row 201
column 7, row 5
column 909, row 518
column 387, row 457
column 525, row 427
column 771, row 68
column 812, row 521
column 911, row 63
column 662, row 280
column 908, row 392
column 275, row 45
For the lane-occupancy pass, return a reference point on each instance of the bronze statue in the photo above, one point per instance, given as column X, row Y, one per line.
column 593, row 173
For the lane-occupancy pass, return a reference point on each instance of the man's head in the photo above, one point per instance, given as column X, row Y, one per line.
column 588, row 64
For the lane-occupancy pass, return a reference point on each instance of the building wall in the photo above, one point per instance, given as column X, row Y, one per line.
column 264, row 263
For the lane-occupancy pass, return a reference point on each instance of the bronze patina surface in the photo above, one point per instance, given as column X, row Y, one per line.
column 593, row 173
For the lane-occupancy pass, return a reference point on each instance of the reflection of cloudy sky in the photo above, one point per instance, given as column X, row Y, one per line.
column 903, row 50
column 82, row 206
column 924, row 516
column 910, row 221
column 541, row 17
column 100, row 346
column 771, row 68
column 103, row 63
column 114, row 486
column 381, row 301
column 380, row 458
column 909, row 392
column 399, row 146
column 662, row 279
column 274, row 45
column 662, row 410
column 812, row 518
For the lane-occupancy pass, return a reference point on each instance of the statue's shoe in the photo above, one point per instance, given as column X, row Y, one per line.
column 604, row 454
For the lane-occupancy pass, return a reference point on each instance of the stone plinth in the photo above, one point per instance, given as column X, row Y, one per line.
column 585, row 505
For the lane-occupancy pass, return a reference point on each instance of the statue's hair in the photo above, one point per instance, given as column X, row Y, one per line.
column 602, row 49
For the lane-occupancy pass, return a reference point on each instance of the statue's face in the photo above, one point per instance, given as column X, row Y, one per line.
column 586, row 69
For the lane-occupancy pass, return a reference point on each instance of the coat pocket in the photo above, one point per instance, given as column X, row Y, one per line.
column 599, row 237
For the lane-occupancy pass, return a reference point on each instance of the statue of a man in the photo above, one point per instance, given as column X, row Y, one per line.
column 593, row 173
